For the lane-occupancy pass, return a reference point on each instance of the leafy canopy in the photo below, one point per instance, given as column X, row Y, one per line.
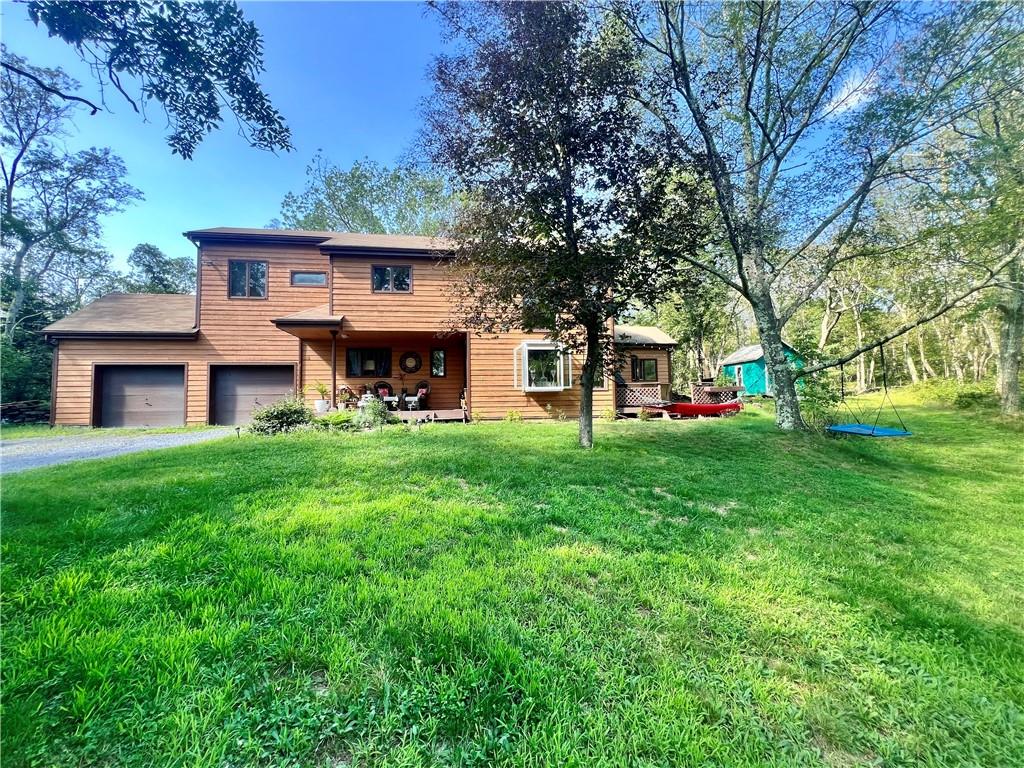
column 197, row 60
column 368, row 197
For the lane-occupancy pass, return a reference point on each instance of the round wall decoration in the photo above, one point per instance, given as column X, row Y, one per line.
column 410, row 362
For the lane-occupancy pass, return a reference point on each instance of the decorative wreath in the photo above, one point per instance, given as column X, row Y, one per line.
column 410, row 362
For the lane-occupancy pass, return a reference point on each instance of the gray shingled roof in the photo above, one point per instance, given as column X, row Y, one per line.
column 131, row 313
column 747, row 354
column 355, row 240
column 641, row 335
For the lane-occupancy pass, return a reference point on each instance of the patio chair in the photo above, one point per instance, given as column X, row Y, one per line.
column 418, row 400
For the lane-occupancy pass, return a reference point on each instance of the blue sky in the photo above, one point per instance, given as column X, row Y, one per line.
column 348, row 77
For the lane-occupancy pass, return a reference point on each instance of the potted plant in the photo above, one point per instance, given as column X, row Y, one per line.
column 322, row 405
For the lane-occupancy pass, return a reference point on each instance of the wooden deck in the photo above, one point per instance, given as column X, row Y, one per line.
column 449, row 414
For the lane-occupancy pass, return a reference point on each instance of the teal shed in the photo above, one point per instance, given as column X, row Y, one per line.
column 746, row 368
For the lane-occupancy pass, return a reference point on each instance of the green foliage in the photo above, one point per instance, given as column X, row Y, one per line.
column 493, row 596
column 376, row 414
column 644, row 415
column 196, row 60
column 819, row 399
column 608, row 414
column 957, row 394
column 476, row 417
column 337, row 420
column 285, row 415
column 153, row 271
column 368, row 197
column 513, row 416
column 321, row 389
column 24, row 371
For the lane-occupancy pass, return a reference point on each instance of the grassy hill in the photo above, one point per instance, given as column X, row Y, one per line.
column 696, row 593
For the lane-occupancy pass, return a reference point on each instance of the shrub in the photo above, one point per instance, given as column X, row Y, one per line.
column 819, row 400
column 283, row 416
column 608, row 414
column 513, row 415
column 339, row 420
column 956, row 394
column 376, row 414
column 476, row 416
column 644, row 415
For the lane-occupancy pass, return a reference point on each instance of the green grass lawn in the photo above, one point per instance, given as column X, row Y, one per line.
column 700, row 593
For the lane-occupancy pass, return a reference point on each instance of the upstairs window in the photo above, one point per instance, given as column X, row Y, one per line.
column 247, row 279
column 392, row 279
column 304, row 279
column 541, row 366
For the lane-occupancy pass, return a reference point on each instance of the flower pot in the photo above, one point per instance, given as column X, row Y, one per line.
column 320, row 407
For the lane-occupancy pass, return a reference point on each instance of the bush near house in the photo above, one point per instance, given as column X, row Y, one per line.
column 283, row 416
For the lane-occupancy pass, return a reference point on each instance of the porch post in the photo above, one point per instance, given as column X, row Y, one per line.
column 334, row 369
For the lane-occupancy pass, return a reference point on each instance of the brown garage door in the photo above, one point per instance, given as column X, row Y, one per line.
column 141, row 395
column 240, row 389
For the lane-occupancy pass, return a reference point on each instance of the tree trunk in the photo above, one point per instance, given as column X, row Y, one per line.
column 909, row 360
column 926, row 369
column 20, row 294
column 787, row 407
column 590, row 368
column 1011, row 341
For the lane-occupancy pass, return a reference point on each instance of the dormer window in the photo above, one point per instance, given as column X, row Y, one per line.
column 392, row 279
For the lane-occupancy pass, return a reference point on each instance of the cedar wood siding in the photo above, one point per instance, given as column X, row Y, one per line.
column 426, row 308
column 492, row 389
column 240, row 331
column 664, row 373
column 231, row 331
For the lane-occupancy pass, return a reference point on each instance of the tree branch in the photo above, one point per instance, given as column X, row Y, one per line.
column 941, row 310
column 50, row 88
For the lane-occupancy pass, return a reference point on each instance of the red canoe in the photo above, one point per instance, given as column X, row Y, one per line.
column 694, row 409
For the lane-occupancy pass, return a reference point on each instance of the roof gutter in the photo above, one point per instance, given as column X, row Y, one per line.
column 70, row 334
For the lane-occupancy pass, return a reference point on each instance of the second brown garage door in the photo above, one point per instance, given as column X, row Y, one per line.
column 238, row 390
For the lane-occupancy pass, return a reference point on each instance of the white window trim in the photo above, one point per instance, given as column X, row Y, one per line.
column 521, row 374
column 739, row 375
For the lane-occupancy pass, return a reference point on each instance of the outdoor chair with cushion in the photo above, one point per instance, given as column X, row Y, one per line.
column 418, row 400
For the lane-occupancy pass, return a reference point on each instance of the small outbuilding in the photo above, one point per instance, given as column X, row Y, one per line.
column 746, row 368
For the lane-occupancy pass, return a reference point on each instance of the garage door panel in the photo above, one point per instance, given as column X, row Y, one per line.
column 141, row 396
column 239, row 390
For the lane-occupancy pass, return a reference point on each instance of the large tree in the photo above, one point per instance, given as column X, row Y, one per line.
column 368, row 197
column 150, row 270
column 568, row 203
column 802, row 112
column 54, row 200
column 197, row 61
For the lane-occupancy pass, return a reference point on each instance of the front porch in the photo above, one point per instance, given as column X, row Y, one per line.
column 355, row 363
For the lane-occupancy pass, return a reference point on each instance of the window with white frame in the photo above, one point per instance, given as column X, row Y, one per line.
column 542, row 366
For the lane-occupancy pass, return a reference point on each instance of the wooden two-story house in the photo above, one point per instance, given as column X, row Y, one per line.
column 276, row 311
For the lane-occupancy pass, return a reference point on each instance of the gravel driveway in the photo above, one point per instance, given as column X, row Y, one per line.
column 18, row 455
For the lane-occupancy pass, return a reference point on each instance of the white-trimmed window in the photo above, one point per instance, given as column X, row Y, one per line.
column 541, row 366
